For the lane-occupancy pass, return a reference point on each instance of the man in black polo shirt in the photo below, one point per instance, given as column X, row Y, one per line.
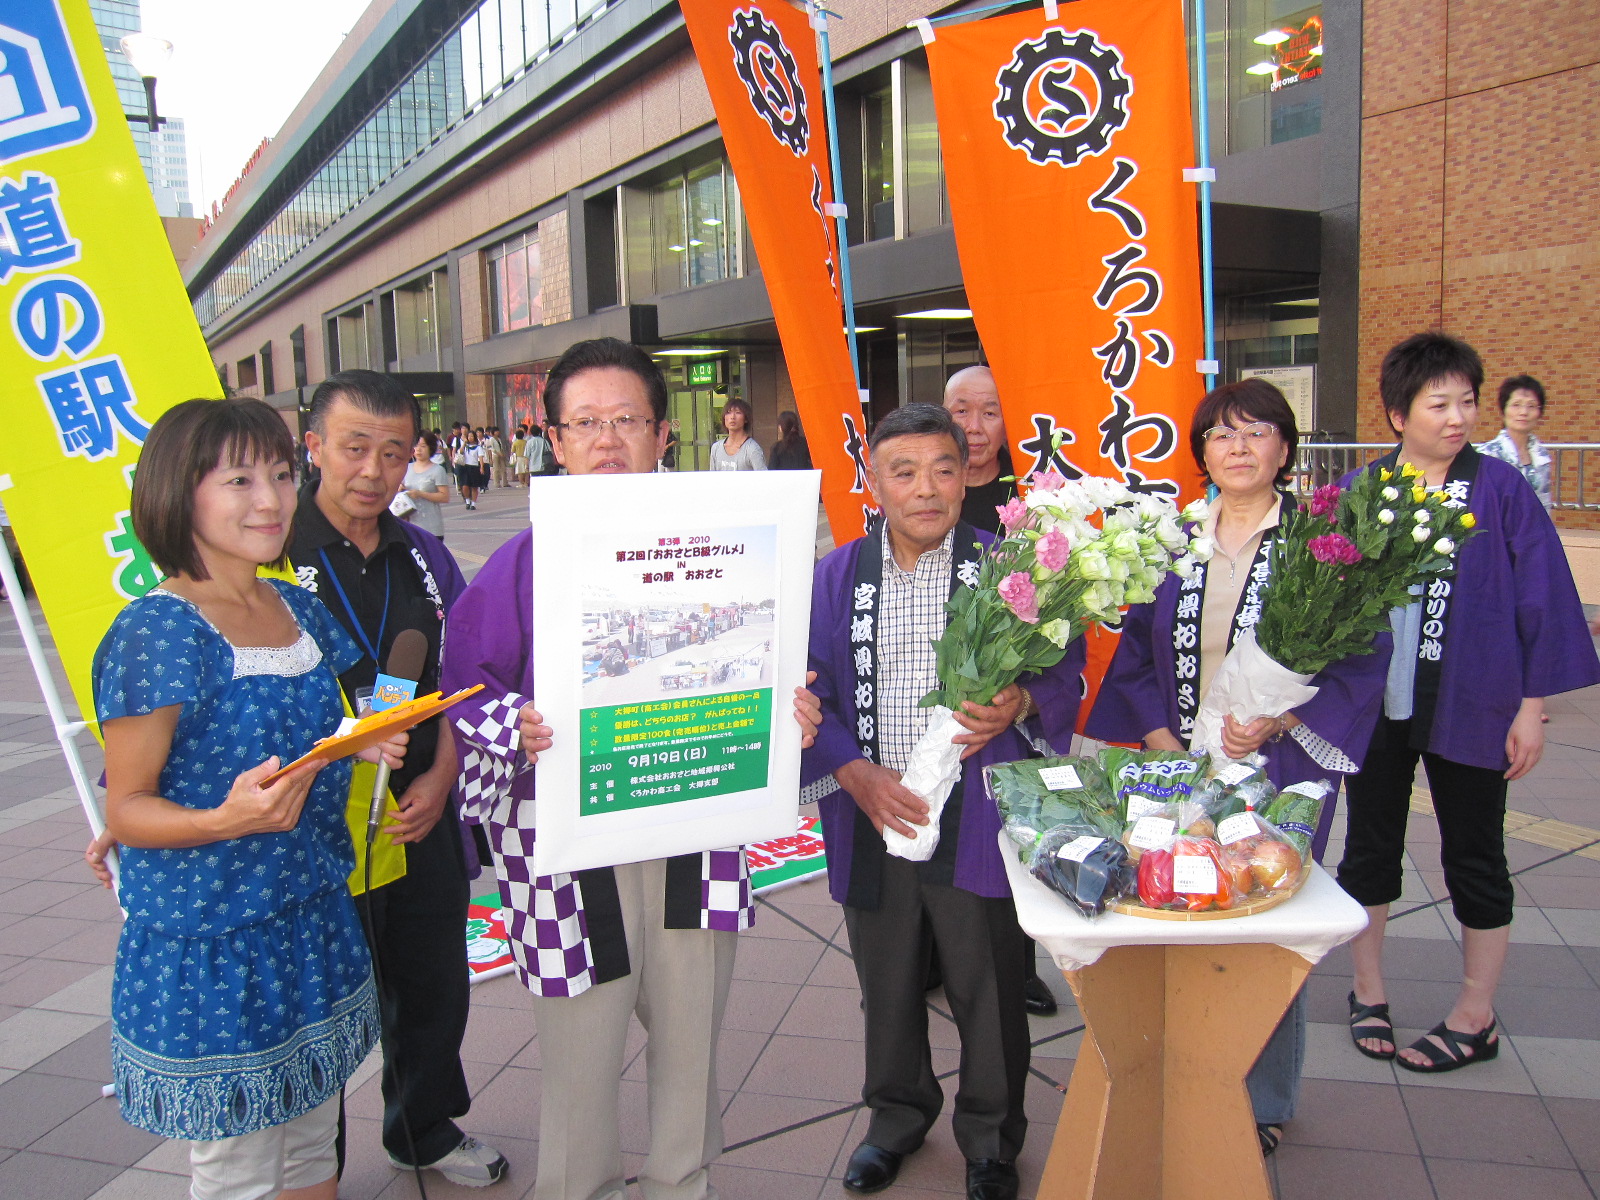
column 379, row 576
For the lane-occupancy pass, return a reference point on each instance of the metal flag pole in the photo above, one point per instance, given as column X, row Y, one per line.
column 65, row 730
column 839, row 210
column 1206, row 175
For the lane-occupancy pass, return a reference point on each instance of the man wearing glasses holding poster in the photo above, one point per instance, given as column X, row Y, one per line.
column 654, row 938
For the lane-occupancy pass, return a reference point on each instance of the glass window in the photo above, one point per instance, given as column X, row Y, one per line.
column 351, row 332
column 877, row 157
column 926, row 206
column 516, row 298
column 708, row 252
column 1265, row 69
column 416, row 331
column 653, row 232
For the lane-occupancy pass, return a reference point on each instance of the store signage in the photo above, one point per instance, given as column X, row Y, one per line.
column 1299, row 59
column 702, row 373
column 760, row 66
column 1064, row 146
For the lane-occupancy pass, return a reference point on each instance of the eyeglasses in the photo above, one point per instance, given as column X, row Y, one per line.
column 626, row 426
column 1253, row 434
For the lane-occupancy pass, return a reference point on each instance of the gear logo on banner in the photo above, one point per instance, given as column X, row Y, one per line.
column 1062, row 97
column 771, row 77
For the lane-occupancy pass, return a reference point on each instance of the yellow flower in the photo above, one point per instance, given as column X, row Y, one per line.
column 1408, row 470
column 1419, row 494
column 1468, row 521
column 1385, row 474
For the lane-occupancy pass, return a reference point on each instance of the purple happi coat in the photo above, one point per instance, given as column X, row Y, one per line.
column 565, row 930
column 1516, row 627
column 978, row 866
column 1139, row 695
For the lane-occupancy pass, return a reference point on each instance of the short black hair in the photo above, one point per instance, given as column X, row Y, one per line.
column 1252, row 399
column 432, row 439
column 604, row 352
column 371, row 392
column 916, row 419
column 1422, row 359
column 1521, row 383
column 187, row 443
column 738, row 405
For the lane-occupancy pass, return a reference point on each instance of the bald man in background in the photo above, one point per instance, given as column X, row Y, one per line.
column 973, row 402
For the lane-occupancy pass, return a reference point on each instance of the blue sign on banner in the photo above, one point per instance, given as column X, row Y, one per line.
column 43, row 102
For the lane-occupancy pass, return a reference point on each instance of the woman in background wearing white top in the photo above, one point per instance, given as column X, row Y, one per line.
column 1522, row 411
column 738, row 451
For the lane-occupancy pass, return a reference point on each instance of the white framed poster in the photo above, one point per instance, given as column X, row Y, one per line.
column 1299, row 388
column 672, row 615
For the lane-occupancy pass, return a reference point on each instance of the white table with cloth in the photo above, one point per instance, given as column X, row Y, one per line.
column 1176, row 1013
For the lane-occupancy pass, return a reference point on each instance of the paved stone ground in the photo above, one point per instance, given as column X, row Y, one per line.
column 790, row 1062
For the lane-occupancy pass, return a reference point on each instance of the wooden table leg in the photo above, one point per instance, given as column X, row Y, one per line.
column 1157, row 1106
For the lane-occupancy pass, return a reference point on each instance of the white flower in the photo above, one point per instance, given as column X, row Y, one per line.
column 1203, row 548
column 1385, row 517
column 1168, row 532
column 1059, row 632
column 1423, row 516
column 1197, row 511
column 1091, row 562
column 1390, row 493
column 1104, row 493
column 1444, row 546
column 1419, row 534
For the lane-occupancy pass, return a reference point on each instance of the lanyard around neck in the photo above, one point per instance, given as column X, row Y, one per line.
column 371, row 647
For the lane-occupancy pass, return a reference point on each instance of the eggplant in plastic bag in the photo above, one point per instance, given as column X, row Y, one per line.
column 1088, row 870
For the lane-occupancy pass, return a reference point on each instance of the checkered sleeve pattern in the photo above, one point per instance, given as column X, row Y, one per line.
column 725, row 899
column 1323, row 752
column 495, row 757
column 910, row 616
column 544, row 918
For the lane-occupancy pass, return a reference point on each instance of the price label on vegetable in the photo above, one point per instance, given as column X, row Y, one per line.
column 1060, row 779
column 1194, row 874
column 1237, row 828
column 1151, row 833
column 1235, row 774
column 1079, row 849
column 1142, row 806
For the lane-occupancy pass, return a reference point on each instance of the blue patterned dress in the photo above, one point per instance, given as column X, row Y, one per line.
column 242, row 994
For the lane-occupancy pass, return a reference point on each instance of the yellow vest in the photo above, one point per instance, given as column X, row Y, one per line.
column 388, row 858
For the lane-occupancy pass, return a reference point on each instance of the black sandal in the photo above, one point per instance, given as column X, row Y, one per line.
column 1373, row 1017
column 1270, row 1136
column 1453, row 1055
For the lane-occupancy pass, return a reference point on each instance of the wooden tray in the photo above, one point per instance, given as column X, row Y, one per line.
column 1246, row 909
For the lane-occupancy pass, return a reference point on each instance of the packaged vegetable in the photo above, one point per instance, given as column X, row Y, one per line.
column 1296, row 810
column 1169, row 820
column 1190, row 875
column 1040, row 793
column 1233, row 786
column 1259, row 859
column 1157, row 776
column 1089, row 871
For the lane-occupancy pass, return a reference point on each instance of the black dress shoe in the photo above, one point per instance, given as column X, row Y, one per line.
column 872, row 1168
column 991, row 1179
column 1037, row 998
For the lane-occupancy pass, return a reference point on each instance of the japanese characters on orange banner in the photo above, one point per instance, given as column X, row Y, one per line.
column 760, row 65
column 1064, row 145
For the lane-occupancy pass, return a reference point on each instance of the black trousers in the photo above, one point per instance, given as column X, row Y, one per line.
column 984, row 956
column 418, row 933
column 1471, row 806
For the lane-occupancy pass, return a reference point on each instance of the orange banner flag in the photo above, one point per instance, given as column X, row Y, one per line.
column 1064, row 147
column 760, row 65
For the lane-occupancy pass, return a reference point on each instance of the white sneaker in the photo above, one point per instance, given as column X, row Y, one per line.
column 471, row 1164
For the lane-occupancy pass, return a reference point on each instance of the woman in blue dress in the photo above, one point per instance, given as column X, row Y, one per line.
column 242, row 997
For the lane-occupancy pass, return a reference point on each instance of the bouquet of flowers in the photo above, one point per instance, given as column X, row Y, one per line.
column 1051, row 576
column 1339, row 565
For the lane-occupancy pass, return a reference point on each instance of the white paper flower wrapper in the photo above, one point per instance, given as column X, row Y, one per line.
column 1248, row 684
column 933, row 770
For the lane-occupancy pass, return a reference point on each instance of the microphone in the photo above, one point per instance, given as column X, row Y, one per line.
column 407, row 657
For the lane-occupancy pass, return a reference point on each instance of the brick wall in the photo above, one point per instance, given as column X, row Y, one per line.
column 1480, row 207
column 555, row 269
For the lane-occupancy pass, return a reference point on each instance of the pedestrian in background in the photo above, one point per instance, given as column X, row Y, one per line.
column 1522, row 412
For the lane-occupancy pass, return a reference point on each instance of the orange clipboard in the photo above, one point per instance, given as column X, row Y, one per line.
column 374, row 728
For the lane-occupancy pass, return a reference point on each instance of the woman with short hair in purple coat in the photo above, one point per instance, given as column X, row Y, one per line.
column 1474, row 658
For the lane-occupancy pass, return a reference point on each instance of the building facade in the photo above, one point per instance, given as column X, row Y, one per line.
column 472, row 185
column 163, row 153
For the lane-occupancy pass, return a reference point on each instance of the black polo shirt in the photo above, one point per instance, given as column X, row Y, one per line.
column 365, row 582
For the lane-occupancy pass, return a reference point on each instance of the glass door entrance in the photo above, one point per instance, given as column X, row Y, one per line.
column 693, row 415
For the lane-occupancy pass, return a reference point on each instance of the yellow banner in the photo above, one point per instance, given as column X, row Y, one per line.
column 100, row 337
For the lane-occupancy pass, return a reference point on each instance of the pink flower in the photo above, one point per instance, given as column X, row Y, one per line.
column 1016, row 589
column 1333, row 548
column 1052, row 550
column 1047, row 481
column 1013, row 513
column 1324, row 500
